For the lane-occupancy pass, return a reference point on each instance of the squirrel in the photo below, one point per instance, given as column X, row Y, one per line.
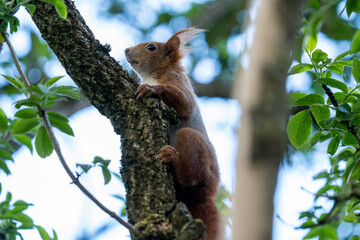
column 190, row 150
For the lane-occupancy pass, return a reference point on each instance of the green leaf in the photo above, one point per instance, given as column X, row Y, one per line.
column 32, row 101
column 118, row 176
column 299, row 128
column 8, row 197
column 311, row 41
column 333, row 145
column 328, row 233
column 356, row 106
column 5, row 155
column 61, row 9
column 355, row 42
column 84, row 167
column 24, row 125
column 342, row 55
column 347, row 63
column 26, row 140
column 299, row 68
column 336, row 67
column 333, row 83
column 320, row 114
column 123, row 212
column 52, row 81
column 26, row 113
column 20, row 206
column 68, row 91
column 61, row 125
column 344, row 154
column 308, row 223
column 352, row 6
column 15, row 83
column 44, row 235
column 314, row 232
column 323, row 174
column 100, row 160
column 318, row 56
column 106, row 174
column 57, row 116
column 343, row 112
column 43, row 144
column 26, row 221
column 30, row 7
column 119, row 196
column 349, row 139
column 356, row 69
column 3, row 121
column 319, row 136
column 294, row 96
column 4, row 167
column 309, row 100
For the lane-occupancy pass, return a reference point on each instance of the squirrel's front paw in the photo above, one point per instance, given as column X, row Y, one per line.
column 168, row 154
column 145, row 90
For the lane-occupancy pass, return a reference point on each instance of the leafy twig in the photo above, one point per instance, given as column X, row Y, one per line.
column 334, row 102
column 57, row 149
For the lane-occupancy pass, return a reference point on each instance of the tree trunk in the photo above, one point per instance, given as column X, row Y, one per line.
column 143, row 124
column 261, row 137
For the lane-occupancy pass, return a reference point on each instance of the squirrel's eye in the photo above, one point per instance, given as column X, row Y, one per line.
column 151, row 47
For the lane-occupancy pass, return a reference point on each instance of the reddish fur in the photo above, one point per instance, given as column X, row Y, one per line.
column 191, row 153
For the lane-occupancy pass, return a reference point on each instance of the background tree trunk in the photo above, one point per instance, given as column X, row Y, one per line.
column 261, row 137
column 143, row 124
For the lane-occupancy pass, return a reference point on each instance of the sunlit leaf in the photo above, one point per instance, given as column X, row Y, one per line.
column 320, row 114
column 309, row 100
column 299, row 128
column 24, row 139
column 24, row 125
column 333, row 83
column 52, row 81
column 318, row 56
column 299, row 68
column 26, row 113
column 30, row 7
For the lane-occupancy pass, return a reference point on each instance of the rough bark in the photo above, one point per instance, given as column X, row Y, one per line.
column 261, row 136
column 143, row 124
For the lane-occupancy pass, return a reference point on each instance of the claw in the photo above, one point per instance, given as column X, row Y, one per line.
column 168, row 154
column 145, row 90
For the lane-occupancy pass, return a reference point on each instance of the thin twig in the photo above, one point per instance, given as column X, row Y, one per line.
column 57, row 149
column 16, row 60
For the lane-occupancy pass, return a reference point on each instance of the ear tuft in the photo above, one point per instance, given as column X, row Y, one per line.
column 184, row 37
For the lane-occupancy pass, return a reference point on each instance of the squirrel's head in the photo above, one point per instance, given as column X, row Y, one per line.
column 152, row 58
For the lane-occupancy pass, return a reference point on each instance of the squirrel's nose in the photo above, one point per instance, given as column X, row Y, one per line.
column 127, row 50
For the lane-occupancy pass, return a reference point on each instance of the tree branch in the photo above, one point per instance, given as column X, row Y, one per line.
column 56, row 146
column 143, row 124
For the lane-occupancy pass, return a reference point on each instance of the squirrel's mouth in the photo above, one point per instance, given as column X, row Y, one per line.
column 131, row 61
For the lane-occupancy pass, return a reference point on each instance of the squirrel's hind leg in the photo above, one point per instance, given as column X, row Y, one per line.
column 193, row 158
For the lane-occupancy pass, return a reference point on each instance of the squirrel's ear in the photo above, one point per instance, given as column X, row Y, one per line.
column 185, row 36
column 172, row 45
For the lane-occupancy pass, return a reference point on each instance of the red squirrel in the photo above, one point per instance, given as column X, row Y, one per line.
column 190, row 150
